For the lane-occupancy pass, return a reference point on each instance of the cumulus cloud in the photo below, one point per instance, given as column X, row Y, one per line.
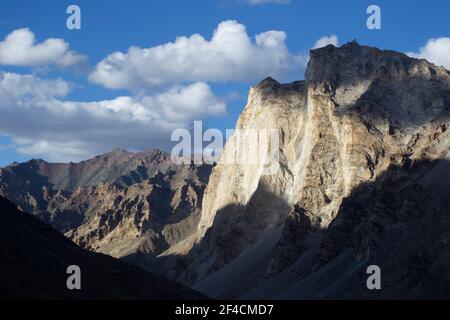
column 230, row 55
column 41, row 122
column 20, row 48
column 324, row 41
column 436, row 51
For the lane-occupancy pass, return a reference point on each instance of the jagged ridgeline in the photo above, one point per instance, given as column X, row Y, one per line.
column 363, row 179
column 119, row 203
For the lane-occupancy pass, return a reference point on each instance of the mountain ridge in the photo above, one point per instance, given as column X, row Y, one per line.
column 42, row 274
column 360, row 113
column 141, row 202
column 363, row 159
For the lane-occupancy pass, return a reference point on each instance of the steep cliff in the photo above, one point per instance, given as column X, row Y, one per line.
column 363, row 151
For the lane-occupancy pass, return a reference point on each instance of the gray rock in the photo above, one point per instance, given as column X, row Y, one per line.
column 364, row 146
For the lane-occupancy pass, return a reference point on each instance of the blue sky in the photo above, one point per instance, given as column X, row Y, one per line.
column 111, row 26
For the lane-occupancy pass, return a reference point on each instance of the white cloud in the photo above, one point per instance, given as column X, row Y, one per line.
column 231, row 55
column 258, row 2
column 436, row 51
column 13, row 86
column 19, row 48
column 41, row 123
column 324, row 41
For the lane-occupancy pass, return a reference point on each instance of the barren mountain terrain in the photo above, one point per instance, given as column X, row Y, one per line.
column 363, row 180
column 35, row 258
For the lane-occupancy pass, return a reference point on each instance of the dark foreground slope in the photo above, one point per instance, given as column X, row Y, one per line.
column 34, row 259
column 363, row 180
column 120, row 203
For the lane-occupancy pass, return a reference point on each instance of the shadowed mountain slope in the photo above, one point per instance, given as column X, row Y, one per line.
column 34, row 259
column 362, row 179
column 120, row 203
column 364, row 143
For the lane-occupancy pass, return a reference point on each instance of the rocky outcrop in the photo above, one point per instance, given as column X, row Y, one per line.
column 144, row 219
column 122, row 204
column 359, row 139
column 35, row 258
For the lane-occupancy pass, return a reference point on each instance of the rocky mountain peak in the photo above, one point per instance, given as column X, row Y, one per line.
column 267, row 82
column 362, row 117
column 353, row 62
column 363, row 163
column 119, row 203
column 117, row 151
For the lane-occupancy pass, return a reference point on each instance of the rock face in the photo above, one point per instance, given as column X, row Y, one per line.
column 362, row 179
column 120, row 203
column 35, row 258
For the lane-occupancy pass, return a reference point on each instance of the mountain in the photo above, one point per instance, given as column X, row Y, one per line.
column 363, row 180
column 122, row 204
column 359, row 177
column 35, row 258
